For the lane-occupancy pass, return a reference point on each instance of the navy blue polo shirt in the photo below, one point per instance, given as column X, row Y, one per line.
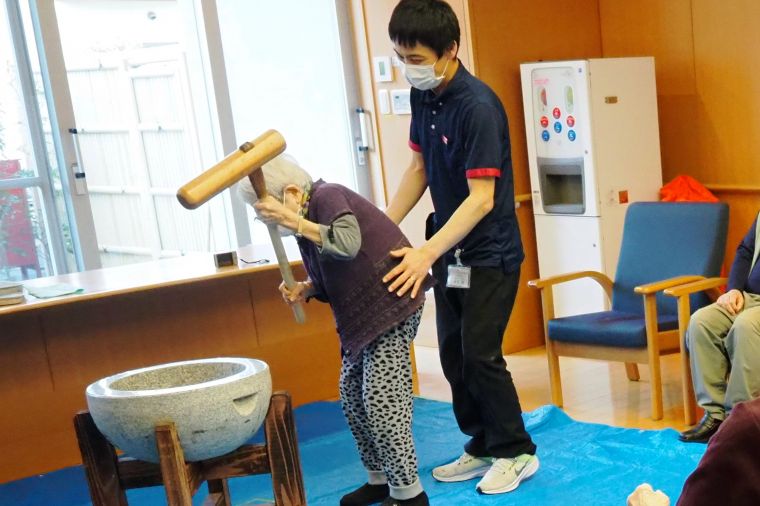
column 463, row 133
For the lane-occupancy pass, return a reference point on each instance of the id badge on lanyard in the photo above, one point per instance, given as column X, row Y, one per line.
column 459, row 274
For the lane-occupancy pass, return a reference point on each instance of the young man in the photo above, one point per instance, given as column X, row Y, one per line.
column 461, row 152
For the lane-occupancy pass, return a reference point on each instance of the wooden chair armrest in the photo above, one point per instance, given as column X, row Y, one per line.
column 599, row 277
column 696, row 286
column 658, row 286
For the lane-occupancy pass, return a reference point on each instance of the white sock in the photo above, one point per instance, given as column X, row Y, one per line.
column 376, row 477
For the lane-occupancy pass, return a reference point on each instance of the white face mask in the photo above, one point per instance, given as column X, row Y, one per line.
column 423, row 77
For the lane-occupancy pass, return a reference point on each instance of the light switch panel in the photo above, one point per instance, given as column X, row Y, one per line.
column 400, row 103
column 383, row 102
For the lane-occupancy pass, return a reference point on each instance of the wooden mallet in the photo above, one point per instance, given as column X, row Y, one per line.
column 246, row 161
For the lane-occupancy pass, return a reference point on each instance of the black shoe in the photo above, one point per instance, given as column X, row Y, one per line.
column 419, row 500
column 365, row 495
column 701, row 432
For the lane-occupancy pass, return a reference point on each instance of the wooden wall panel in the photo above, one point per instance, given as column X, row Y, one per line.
column 164, row 325
column 274, row 319
column 663, row 29
column 743, row 209
column 659, row 28
column 22, row 355
column 726, row 42
column 708, row 84
column 506, row 33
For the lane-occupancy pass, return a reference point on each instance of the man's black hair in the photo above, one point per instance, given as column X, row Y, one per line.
column 431, row 23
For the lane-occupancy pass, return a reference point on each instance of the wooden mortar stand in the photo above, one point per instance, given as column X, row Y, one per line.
column 109, row 476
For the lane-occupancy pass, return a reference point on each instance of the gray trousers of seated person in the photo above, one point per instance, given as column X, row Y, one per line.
column 724, row 353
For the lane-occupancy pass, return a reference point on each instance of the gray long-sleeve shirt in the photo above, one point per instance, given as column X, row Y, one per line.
column 341, row 239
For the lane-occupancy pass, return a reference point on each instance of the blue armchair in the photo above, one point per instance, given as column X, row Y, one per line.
column 664, row 245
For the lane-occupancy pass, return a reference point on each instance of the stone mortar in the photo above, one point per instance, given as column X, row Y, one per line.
column 217, row 404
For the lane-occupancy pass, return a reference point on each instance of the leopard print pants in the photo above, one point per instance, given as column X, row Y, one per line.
column 376, row 395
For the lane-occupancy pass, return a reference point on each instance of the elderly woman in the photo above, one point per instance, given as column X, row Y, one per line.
column 345, row 244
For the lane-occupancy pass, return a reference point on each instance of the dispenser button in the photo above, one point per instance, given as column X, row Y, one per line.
column 557, row 126
column 571, row 135
column 544, row 121
column 556, row 113
column 545, row 135
column 570, row 121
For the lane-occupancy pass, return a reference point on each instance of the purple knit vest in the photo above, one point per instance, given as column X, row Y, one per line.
column 360, row 301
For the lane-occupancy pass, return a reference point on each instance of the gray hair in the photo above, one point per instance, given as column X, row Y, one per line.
column 279, row 172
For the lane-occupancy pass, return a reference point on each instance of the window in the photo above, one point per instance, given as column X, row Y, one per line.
column 35, row 236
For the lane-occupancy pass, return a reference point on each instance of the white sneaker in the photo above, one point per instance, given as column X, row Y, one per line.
column 506, row 474
column 464, row 468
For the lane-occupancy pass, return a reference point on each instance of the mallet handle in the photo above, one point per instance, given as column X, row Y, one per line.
column 259, row 186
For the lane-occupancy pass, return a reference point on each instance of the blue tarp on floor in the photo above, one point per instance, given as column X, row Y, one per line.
column 581, row 463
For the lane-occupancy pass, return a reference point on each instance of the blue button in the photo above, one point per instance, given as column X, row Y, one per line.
column 557, row 126
column 571, row 135
column 545, row 135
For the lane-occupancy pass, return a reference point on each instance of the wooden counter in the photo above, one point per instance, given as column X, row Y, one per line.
column 145, row 314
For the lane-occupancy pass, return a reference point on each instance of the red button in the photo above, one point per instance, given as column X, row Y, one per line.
column 570, row 121
column 544, row 121
column 556, row 113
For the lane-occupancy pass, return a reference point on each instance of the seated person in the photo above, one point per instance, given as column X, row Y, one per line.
column 729, row 471
column 724, row 344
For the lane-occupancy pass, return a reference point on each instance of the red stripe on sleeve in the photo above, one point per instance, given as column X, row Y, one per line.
column 415, row 147
column 484, row 172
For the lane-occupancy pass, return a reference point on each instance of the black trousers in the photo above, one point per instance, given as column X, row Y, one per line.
column 471, row 325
